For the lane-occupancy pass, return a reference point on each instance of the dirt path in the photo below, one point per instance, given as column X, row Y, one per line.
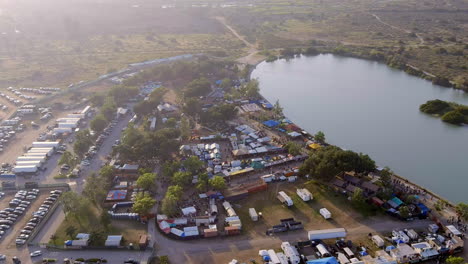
column 421, row 40
column 252, row 57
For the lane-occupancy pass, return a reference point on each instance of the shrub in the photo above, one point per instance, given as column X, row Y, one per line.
column 453, row 117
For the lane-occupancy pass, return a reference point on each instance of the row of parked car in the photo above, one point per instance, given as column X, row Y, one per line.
column 11, row 99
column 37, row 217
column 19, row 94
column 17, row 207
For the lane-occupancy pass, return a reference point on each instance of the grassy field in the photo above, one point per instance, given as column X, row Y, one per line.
column 131, row 230
column 80, row 40
column 343, row 214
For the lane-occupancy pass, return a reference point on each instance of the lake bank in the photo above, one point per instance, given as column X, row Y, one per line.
column 360, row 111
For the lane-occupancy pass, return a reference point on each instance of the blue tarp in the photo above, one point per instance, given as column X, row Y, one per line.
column 395, row 202
column 271, row 123
column 423, row 208
column 330, row 260
column 267, row 106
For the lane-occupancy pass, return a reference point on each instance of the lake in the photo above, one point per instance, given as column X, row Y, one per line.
column 369, row 107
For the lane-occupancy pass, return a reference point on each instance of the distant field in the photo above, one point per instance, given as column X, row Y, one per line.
column 55, row 42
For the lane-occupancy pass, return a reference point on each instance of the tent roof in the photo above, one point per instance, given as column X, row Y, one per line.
column 271, row 123
column 330, row 260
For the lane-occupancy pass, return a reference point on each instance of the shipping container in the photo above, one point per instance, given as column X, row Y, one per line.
column 253, row 214
column 327, row 233
column 24, row 169
column 45, row 144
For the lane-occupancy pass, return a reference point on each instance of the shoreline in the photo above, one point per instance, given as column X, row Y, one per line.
column 401, row 178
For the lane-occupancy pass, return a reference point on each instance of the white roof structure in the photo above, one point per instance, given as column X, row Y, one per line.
column 189, row 210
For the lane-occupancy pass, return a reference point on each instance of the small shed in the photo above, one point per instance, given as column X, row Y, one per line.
column 113, row 241
column 189, row 210
column 325, row 213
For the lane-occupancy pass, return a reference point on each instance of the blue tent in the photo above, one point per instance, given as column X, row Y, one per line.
column 267, row 106
column 423, row 208
column 271, row 123
column 330, row 260
column 395, row 202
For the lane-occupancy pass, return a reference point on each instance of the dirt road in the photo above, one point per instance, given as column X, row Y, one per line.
column 421, row 40
column 252, row 58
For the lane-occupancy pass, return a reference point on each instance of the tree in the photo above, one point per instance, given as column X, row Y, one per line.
column 74, row 204
column 97, row 238
column 109, row 109
column 358, row 197
column 67, row 158
column 193, row 164
column 434, row 107
column 147, row 181
column 453, row 117
column 54, row 238
column 293, row 148
column 386, row 177
column 105, row 219
column 99, row 123
column 226, row 84
column 277, row 109
column 169, row 205
column 218, row 183
column 197, row 87
column 71, row 231
column 171, row 123
column 462, row 210
column 82, row 143
column 144, row 107
column 175, row 190
column 192, row 107
column 252, row 89
column 97, row 99
column 107, row 173
column 320, row 137
column 185, row 131
column 202, row 184
column 404, row 212
column 169, row 168
column 454, row 260
column 182, row 178
column 143, row 204
column 95, row 189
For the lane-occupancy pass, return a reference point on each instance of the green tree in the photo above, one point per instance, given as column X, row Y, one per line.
column 144, row 107
column 54, row 238
column 105, row 219
column 171, row 123
column 192, row 107
column 99, row 123
column 147, row 181
column 109, row 109
column 404, row 212
column 169, row 205
column 320, row 137
column 453, row 117
column 185, row 130
column 193, row 164
column 175, row 190
column 202, row 184
column 143, row 204
column 226, row 84
column 252, row 89
column 386, row 177
column 358, row 197
column 197, row 87
column 434, row 107
column 97, row 99
column 218, row 183
column 82, row 143
column 95, row 189
column 170, row 167
column 462, row 210
column 97, row 238
column 74, row 204
column 454, row 260
column 71, row 231
column 277, row 109
column 67, row 158
column 107, row 172
column 293, row 148
column 182, row 178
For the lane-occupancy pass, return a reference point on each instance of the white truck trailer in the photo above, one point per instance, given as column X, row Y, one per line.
column 45, row 144
column 284, row 198
column 253, row 214
column 325, row 213
column 25, row 169
column 30, row 158
column 327, row 233
column 36, row 163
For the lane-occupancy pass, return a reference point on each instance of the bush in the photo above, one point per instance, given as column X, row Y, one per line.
column 80, row 259
column 434, row 106
column 453, row 117
column 95, row 260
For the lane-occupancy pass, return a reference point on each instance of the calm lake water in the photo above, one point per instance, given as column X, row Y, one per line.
column 368, row 107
